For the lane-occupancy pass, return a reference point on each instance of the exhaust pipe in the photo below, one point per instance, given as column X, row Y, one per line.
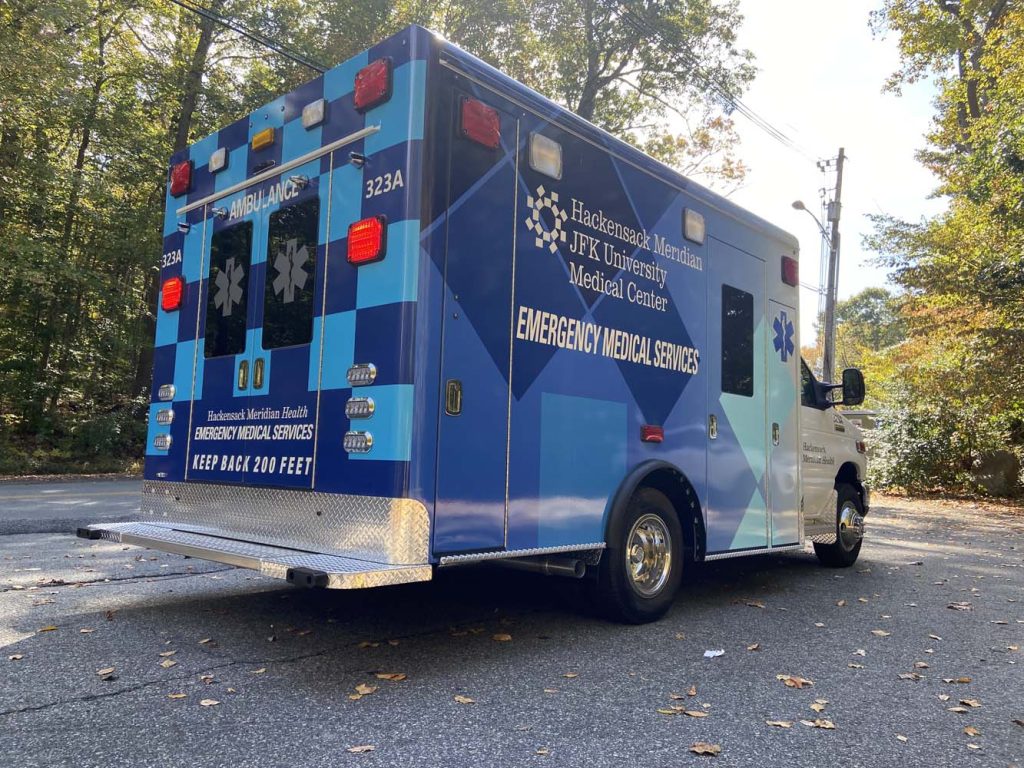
column 549, row 566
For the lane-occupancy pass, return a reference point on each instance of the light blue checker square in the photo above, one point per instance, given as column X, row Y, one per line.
column 155, row 429
column 339, row 334
column 235, row 172
column 192, row 252
column 401, row 117
column 184, row 359
column 391, row 423
column 271, row 116
column 166, row 327
column 297, row 141
column 346, row 199
column 396, row 276
column 341, row 79
column 199, row 153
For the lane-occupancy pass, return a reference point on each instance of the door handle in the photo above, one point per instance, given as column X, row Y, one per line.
column 712, row 426
column 453, row 397
column 243, row 374
column 257, row 373
column 775, row 433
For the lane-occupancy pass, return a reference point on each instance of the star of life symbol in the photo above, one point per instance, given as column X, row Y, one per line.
column 545, row 237
column 784, row 330
column 291, row 273
column 229, row 288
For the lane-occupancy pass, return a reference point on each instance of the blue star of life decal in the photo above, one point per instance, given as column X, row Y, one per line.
column 784, row 330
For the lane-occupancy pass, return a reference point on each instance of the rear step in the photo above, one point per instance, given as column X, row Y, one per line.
column 305, row 569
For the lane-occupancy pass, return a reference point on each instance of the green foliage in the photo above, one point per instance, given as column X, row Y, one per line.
column 959, row 375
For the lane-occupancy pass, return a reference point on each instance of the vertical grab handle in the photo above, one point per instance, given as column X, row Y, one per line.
column 712, row 426
column 257, row 373
column 775, row 433
column 243, row 375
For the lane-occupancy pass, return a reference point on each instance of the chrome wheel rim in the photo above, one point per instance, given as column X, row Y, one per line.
column 648, row 555
column 851, row 525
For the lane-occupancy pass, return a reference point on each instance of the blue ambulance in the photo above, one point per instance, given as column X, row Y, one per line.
column 414, row 315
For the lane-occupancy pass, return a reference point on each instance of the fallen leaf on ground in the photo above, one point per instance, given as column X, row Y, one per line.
column 780, row 723
column 910, row 676
column 360, row 749
column 754, row 647
column 50, row 628
column 860, row 652
column 880, row 633
column 920, row 665
column 711, row 654
column 694, row 713
column 464, row 700
column 817, row 706
column 105, row 671
column 542, row 751
column 958, row 680
column 550, row 690
column 571, row 675
column 167, row 653
column 957, row 709
column 1018, row 721
column 974, row 703
column 703, row 748
column 209, row 703
column 176, row 695
column 501, row 637
column 840, row 603
column 934, row 637
column 692, row 691
column 974, row 746
column 364, row 689
column 396, row 677
column 86, row 630
column 851, row 665
column 794, row 681
column 15, row 657
column 819, row 624
column 901, row 737
column 970, row 730
column 943, row 697
column 168, row 663
column 206, row 679
column 755, row 603
column 676, row 696
column 259, row 671
column 204, row 641
column 666, row 711
column 827, row 725
column 962, row 606
column 680, row 636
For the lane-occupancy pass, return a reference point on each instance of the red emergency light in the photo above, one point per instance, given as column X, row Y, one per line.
column 479, row 122
column 373, row 84
column 649, row 433
column 790, row 271
column 181, row 178
column 171, row 293
column 367, row 240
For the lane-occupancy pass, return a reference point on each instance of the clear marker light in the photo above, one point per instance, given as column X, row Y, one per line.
column 219, row 160
column 164, row 417
column 545, row 155
column 314, row 113
column 162, row 442
column 361, row 374
column 166, row 392
column 360, row 407
column 357, row 442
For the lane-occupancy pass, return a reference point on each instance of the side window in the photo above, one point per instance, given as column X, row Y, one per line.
column 807, row 395
column 291, row 273
column 226, row 290
column 737, row 342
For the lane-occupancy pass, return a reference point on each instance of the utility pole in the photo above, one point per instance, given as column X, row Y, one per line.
column 834, row 209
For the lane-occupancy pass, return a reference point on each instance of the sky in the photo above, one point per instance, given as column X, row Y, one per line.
column 820, row 82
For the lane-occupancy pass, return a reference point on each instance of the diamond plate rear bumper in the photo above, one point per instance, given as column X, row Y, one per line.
column 296, row 566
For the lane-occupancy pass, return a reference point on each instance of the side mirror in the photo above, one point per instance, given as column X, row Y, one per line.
column 853, row 387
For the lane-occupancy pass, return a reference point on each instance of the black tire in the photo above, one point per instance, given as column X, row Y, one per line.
column 843, row 553
column 616, row 593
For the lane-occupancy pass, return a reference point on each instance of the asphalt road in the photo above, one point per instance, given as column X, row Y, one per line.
column 565, row 689
column 54, row 506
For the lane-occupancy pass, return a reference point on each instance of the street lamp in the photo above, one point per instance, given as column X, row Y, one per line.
column 828, row 351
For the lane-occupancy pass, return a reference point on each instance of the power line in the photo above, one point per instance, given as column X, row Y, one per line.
column 256, row 37
column 730, row 101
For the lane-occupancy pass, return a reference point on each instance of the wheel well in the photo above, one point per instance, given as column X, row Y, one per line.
column 848, row 474
column 665, row 478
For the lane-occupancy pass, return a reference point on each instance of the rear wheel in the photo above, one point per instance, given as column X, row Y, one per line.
column 849, row 530
column 642, row 566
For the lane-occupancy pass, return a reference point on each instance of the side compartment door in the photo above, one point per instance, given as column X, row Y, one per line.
column 737, row 516
column 783, row 425
column 472, row 460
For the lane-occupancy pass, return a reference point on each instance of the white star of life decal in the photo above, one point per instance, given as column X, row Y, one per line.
column 229, row 289
column 545, row 237
column 291, row 274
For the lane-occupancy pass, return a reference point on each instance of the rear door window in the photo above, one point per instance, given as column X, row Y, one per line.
column 227, row 290
column 291, row 271
column 737, row 342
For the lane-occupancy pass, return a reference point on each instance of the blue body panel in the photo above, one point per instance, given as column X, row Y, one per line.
column 572, row 312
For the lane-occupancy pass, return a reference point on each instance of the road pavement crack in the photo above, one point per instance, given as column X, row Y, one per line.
column 118, row 579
